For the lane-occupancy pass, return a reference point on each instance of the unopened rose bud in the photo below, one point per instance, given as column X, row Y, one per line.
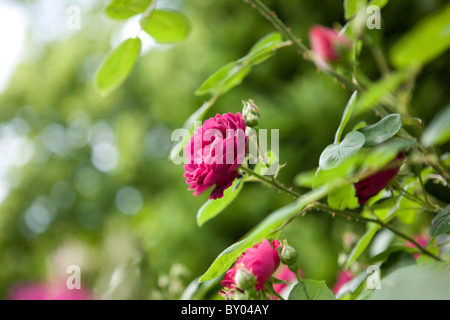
column 250, row 113
column 288, row 255
column 245, row 280
column 328, row 46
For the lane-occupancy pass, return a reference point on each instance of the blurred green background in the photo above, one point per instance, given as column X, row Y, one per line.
column 86, row 180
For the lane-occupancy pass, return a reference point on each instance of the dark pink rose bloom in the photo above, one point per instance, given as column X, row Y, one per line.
column 47, row 291
column 214, row 154
column 262, row 260
column 367, row 188
column 422, row 240
column 326, row 44
column 343, row 277
column 287, row 275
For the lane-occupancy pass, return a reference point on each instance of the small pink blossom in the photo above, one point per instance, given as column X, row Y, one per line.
column 55, row 290
column 287, row 275
column 343, row 277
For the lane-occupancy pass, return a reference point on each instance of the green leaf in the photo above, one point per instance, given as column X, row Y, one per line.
column 438, row 131
column 233, row 73
column 440, row 223
column 427, row 40
column 429, row 282
column 377, row 91
column 264, row 48
column 343, row 198
column 224, row 79
column 383, row 256
column 362, row 244
column 166, row 26
column 263, row 230
column 311, row 290
column 351, row 7
column 382, row 130
column 124, row 9
column 335, row 154
column 407, row 210
column 346, row 116
column 212, row 208
column 379, row 3
column 117, row 65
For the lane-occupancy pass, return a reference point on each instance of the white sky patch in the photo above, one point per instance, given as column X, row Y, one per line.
column 13, row 23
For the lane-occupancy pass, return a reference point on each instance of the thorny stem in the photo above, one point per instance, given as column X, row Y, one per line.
column 350, row 215
column 358, row 218
column 272, row 182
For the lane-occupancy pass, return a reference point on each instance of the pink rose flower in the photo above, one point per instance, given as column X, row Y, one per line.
column 343, row 277
column 326, row 44
column 214, row 154
column 47, row 291
column 422, row 240
column 262, row 260
column 367, row 188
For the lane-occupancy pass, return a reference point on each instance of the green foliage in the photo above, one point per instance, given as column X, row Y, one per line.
column 166, row 26
column 117, row 65
column 427, row 40
column 311, row 290
column 124, row 9
column 438, row 131
column 335, row 154
column 441, row 223
column 233, row 73
column 212, row 208
column 381, row 131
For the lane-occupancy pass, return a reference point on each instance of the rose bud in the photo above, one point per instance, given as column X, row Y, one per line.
column 328, row 46
column 250, row 113
column 245, row 280
column 288, row 255
column 371, row 186
column 214, row 154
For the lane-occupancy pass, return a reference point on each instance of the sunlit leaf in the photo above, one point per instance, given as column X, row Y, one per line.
column 343, row 198
column 117, row 65
column 351, row 7
column 124, row 9
column 166, row 26
column 224, row 79
column 362, row 244
column 376, row 92
column 427, row 40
